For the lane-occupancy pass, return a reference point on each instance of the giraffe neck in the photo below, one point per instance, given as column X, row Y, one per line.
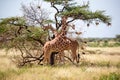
column 64, row 29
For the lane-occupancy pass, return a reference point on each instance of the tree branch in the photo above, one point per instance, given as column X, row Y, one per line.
column 38, row 40
column 71, row 21
column 53, row 5
column 55, row 16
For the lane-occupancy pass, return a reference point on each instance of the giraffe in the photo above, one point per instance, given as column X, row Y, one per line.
column 60, row 43
column 74, row 43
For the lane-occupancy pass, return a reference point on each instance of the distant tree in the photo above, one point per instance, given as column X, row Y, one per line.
column 118, row 36
column 35, row 15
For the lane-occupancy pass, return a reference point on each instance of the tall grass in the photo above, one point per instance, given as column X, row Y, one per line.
column 58, row 73
column 92, row 67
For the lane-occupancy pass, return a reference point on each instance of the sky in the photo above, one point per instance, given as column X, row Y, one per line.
column 9, row 8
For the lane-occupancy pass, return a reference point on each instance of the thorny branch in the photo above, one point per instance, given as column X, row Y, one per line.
column 28, row 58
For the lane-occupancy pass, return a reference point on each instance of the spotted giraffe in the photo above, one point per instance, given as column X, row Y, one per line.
column 74, row 43
column 60, row 43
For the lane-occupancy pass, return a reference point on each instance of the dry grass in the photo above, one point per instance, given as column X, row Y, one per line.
column 95, row 66
column 106, row 50
column 102, row 60
column 60, row 73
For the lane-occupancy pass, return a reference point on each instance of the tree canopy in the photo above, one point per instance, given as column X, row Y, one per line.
column 78, row 12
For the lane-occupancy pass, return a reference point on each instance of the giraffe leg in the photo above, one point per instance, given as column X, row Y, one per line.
column 46, row 56
column 74, row 56
column 61, row 56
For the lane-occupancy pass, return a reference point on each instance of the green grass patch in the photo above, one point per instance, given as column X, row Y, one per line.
column 111, row 76
column 4, row 75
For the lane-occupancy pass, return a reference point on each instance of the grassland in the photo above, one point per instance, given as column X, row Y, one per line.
column 96, row 64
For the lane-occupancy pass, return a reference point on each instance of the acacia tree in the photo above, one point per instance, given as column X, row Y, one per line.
column 16, row 34
column 74, row 11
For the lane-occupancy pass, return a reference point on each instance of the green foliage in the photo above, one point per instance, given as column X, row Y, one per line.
column 2, row 29
column 83, row 13
column 37, row 33
column 111, row 76
column 19, row 21
column 13, row 35
column 117, row 44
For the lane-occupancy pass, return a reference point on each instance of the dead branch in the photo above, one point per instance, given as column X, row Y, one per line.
column 71, row 61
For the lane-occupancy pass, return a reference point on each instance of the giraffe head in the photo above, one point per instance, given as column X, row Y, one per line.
column 64, row 19
column 49, row 26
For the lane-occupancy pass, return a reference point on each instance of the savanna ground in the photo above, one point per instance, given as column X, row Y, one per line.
column 97, row 64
